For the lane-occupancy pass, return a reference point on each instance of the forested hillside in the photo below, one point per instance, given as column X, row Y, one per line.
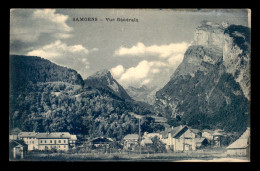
column 48, row 97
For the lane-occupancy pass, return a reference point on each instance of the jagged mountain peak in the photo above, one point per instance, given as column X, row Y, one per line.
column 103, row 79
column 102, row 73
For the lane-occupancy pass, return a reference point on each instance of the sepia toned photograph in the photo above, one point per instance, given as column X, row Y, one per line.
column 149, row 85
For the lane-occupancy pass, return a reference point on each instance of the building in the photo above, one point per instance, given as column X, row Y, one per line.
column 55, row 140
column 198, row 133
column 206, row 133
column 47, row 141
column 100, row 142
column 72, row 141
column 30, row 139
column 201, row 142
column 13, row 137
column 213, row 136
column 217, row 136
column 13, row 134
column 17, row 149
column 179, row 138
column 130, row 140
column 146, row 142
column 159, row 120
column 241, row 147
column 151, row 135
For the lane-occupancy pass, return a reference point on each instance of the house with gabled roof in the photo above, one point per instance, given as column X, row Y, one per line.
column 179, row 138
column 130, row 140
column 240, row 147
column 101, row 141
column 30, row 139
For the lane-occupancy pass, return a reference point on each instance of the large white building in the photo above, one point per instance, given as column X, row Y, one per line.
column 47, row 141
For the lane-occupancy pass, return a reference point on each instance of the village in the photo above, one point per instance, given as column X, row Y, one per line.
column 173, row 141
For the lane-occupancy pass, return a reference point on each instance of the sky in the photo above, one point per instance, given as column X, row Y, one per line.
column 145, row 51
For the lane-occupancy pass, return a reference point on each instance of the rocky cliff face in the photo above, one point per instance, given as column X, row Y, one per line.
column 210, row 35
column 234, row 43
column 212, row 84
column 236, row 56
column 103, row 79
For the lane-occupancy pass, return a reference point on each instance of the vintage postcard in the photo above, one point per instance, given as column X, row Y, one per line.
column 168, row 85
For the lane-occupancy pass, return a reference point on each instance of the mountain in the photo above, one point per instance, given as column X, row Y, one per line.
column 211, row 87
column 48, row 97
column 37, row 87
column 30, row 70
column 142, row 93
column 103, row 79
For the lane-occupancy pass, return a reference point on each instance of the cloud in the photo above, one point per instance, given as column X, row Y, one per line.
column 117, row 71
column 50, row 15
column 149, row 70
column 58, row 49
column 175, row 60
column 145, row 81
column 72, row 56
column 145, row 72
column 136, row 73
column 37, row 27
column 139, row 49
column 133, row 75
column 162, row 51
column 155, row 71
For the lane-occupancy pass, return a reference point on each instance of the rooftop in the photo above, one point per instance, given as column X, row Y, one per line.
column 146, row 141
column 98, row 140
column 131, row 136
column 175, row 131
column 151, row 135
column 54, row 135
column 73, row 137
column 196, row 131
column 242, row 142
column 27, row 134
column 199, row 140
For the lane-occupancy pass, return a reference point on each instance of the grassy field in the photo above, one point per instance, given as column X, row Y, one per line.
column 215, row 154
